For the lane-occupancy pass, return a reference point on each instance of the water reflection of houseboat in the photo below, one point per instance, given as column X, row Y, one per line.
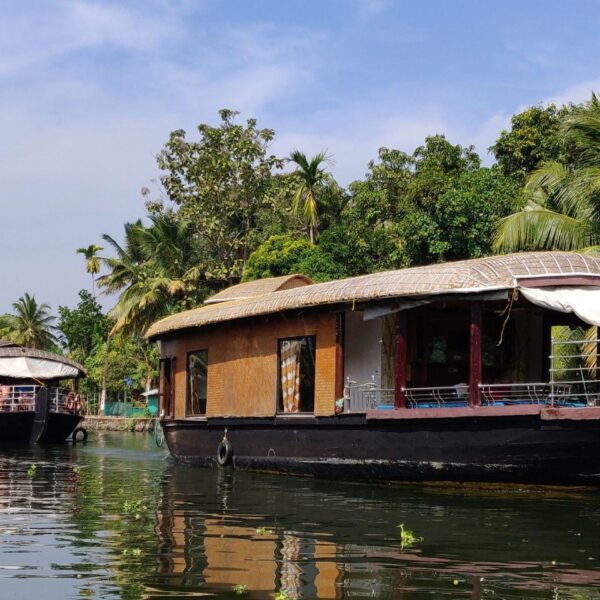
column 218, row 529
column 444, row 372
column 33, row 405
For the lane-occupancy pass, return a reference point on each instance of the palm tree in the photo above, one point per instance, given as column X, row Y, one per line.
column 125, row 267
column 155, row 273
column 30, row 326
column 92, row 261
column 312, row 178
column 563, row 208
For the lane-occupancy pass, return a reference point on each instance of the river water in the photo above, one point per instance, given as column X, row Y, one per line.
column 117, row 518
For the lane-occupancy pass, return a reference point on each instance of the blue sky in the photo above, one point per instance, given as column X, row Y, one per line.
column 89, row 91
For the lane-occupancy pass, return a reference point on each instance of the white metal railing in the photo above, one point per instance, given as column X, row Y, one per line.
column 576, row 364
column 431, row 397
column 21, row 398
column 359, row 397
column 525, row 393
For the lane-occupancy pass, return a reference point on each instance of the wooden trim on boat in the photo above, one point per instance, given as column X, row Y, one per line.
column 547, row 413
column 456, row 412
column 555, row 413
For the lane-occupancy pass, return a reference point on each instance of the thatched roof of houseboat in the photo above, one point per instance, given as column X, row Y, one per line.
column 468, row 276
column 259, row 287
column 6, row 343
column 9, row 366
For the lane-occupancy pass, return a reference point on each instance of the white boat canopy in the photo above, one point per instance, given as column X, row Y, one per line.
column 28, row 363
column 582, row 301
column 24, row 367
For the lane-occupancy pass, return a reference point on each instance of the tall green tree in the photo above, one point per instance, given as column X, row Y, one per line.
column 563, row 207
column 83, row 327
column 92, row 262
column 312, row 183
column 534, row 138
column 30, row 325
column 219, row 185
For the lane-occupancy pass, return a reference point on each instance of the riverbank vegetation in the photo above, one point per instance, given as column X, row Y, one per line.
column 227, row 209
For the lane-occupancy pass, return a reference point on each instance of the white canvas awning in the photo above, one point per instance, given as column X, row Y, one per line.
column 26, row 367
column 581, row 301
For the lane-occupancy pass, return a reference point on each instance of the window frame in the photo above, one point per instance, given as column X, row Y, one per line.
column 279, row 392
column 187, row 384
column 166, row 387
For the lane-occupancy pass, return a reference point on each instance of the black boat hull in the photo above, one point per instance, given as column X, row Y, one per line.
column 15, row 427
column 515, row 449
column 59, row 427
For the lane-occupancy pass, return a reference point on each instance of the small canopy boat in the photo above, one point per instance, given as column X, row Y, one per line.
column 34, row 407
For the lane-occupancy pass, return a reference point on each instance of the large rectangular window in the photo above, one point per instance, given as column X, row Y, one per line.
column 197, row 380
column 296, row 375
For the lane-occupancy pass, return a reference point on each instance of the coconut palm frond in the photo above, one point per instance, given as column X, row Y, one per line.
column 542, row 229
column 312, row 179
column 30, row 325
column 593, row 250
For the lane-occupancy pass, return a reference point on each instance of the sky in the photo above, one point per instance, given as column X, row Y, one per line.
column 90, row 90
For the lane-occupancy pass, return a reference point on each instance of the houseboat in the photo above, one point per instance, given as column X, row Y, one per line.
column 483, row 370
column 33, row 405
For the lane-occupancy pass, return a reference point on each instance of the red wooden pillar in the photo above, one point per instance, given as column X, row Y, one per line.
column 597, row 351
column 475, row 363
column 340, row 335
column 401, row 354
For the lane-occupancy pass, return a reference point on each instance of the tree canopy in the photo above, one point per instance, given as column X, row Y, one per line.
column 230, row 210
column 563, row 195
column 31, row 324
column 534, row 138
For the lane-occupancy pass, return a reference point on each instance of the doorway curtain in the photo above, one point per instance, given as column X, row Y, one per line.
column 290, row 375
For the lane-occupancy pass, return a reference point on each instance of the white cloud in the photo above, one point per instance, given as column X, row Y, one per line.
column 580, row 92
column 37, row 34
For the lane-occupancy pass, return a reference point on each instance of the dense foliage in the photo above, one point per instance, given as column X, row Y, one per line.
column 229, row 209
column 563, row 193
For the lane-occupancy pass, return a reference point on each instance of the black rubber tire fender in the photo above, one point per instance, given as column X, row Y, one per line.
column 76, row 435
column 224, row 452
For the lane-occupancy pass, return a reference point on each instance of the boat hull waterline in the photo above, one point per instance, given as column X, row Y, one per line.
column 517, row 449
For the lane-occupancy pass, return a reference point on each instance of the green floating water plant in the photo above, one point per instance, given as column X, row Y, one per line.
column 32, row 470
column 134, row 507
column 407, row 538
column 240, row 589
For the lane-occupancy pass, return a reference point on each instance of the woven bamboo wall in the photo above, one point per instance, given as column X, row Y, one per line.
column 242, row 363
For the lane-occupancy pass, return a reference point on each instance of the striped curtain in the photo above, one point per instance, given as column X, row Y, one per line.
column 291, row 571
column 290, row 375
